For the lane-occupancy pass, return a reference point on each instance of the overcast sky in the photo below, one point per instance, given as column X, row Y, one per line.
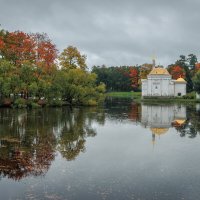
column 111, row 32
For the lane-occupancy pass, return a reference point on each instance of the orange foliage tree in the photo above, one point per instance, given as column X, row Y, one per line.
column 176, row 71
column 20, row 48
column 45, row 50
column 134, row 76
column 17, row 47
column 197, row 67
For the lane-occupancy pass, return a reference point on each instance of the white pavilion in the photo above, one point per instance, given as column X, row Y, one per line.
column 159, row 83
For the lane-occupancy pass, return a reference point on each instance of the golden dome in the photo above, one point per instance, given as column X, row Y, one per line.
column 159, row 71
column 159, row 131
column 180, row 80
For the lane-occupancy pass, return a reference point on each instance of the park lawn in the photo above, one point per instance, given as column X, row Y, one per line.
column 135, row 95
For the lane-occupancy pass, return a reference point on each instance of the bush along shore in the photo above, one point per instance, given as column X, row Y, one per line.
column 39, row 103
column 33, row 74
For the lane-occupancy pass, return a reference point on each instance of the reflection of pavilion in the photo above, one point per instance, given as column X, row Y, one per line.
column 159, row 118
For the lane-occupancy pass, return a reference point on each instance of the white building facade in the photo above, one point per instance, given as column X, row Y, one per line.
column 159, row 83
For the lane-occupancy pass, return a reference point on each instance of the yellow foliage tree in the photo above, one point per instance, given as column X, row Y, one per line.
column 71, row 58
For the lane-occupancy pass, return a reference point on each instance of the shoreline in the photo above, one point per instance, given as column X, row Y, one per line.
column 137, row 96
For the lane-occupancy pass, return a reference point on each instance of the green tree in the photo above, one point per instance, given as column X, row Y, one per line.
column 115, row 78
column 188, row 75
column 79, row 87
column 196, row 81
column 192, row 61
column 71, row 58
column 6, row 78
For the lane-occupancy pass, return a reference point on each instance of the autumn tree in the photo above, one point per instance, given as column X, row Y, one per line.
column 71, row 58
column 20, row 47
column 176, row 71
column 28, row 72
column 17, row 47
column 197, row 67
column 45, row 50
column 135, row 78
column 145, row 70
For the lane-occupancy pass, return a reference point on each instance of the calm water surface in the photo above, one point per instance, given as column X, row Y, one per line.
column 123, row 150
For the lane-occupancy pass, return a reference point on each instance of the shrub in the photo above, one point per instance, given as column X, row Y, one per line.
column 35, row 105
column 20, row 103
column 91, row 102
column 189, row 96
column 55, row 102
column 32, row 104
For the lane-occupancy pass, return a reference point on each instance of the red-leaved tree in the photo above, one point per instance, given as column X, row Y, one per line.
column 20, row 48
column 176, row 71
column 17, row 47
column 134, row 76
column 45, row 50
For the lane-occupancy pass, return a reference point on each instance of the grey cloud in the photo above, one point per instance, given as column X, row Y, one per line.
column 111, row 32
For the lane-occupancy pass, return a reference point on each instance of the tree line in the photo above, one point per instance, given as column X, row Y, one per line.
column 34, row 73
column 128, row 78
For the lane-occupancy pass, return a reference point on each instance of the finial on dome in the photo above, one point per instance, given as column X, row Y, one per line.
column 154, row 61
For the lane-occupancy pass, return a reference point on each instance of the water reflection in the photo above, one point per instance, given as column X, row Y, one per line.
column 29, row 139
column 24, row 149
column 159, row 118
column 75, row 129
column 100, row 153
column 119, row 109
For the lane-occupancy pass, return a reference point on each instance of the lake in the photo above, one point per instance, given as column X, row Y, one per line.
column 123, row 150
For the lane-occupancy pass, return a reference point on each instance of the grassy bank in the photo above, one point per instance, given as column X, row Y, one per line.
column 137, row 95
column 134, row 95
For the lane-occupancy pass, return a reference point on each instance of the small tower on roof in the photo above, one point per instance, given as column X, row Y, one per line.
column 153, row 61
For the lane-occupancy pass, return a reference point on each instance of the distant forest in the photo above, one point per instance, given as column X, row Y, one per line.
column 128, row 78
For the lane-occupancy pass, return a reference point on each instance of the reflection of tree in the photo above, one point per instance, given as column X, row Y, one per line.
column 135, row 111
column 73, row 133
column 119, row 108
column 24, row 149
column 191, row 126
column 195, row 119
column 123, row 108
column 187, row 129
column 30, row 138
